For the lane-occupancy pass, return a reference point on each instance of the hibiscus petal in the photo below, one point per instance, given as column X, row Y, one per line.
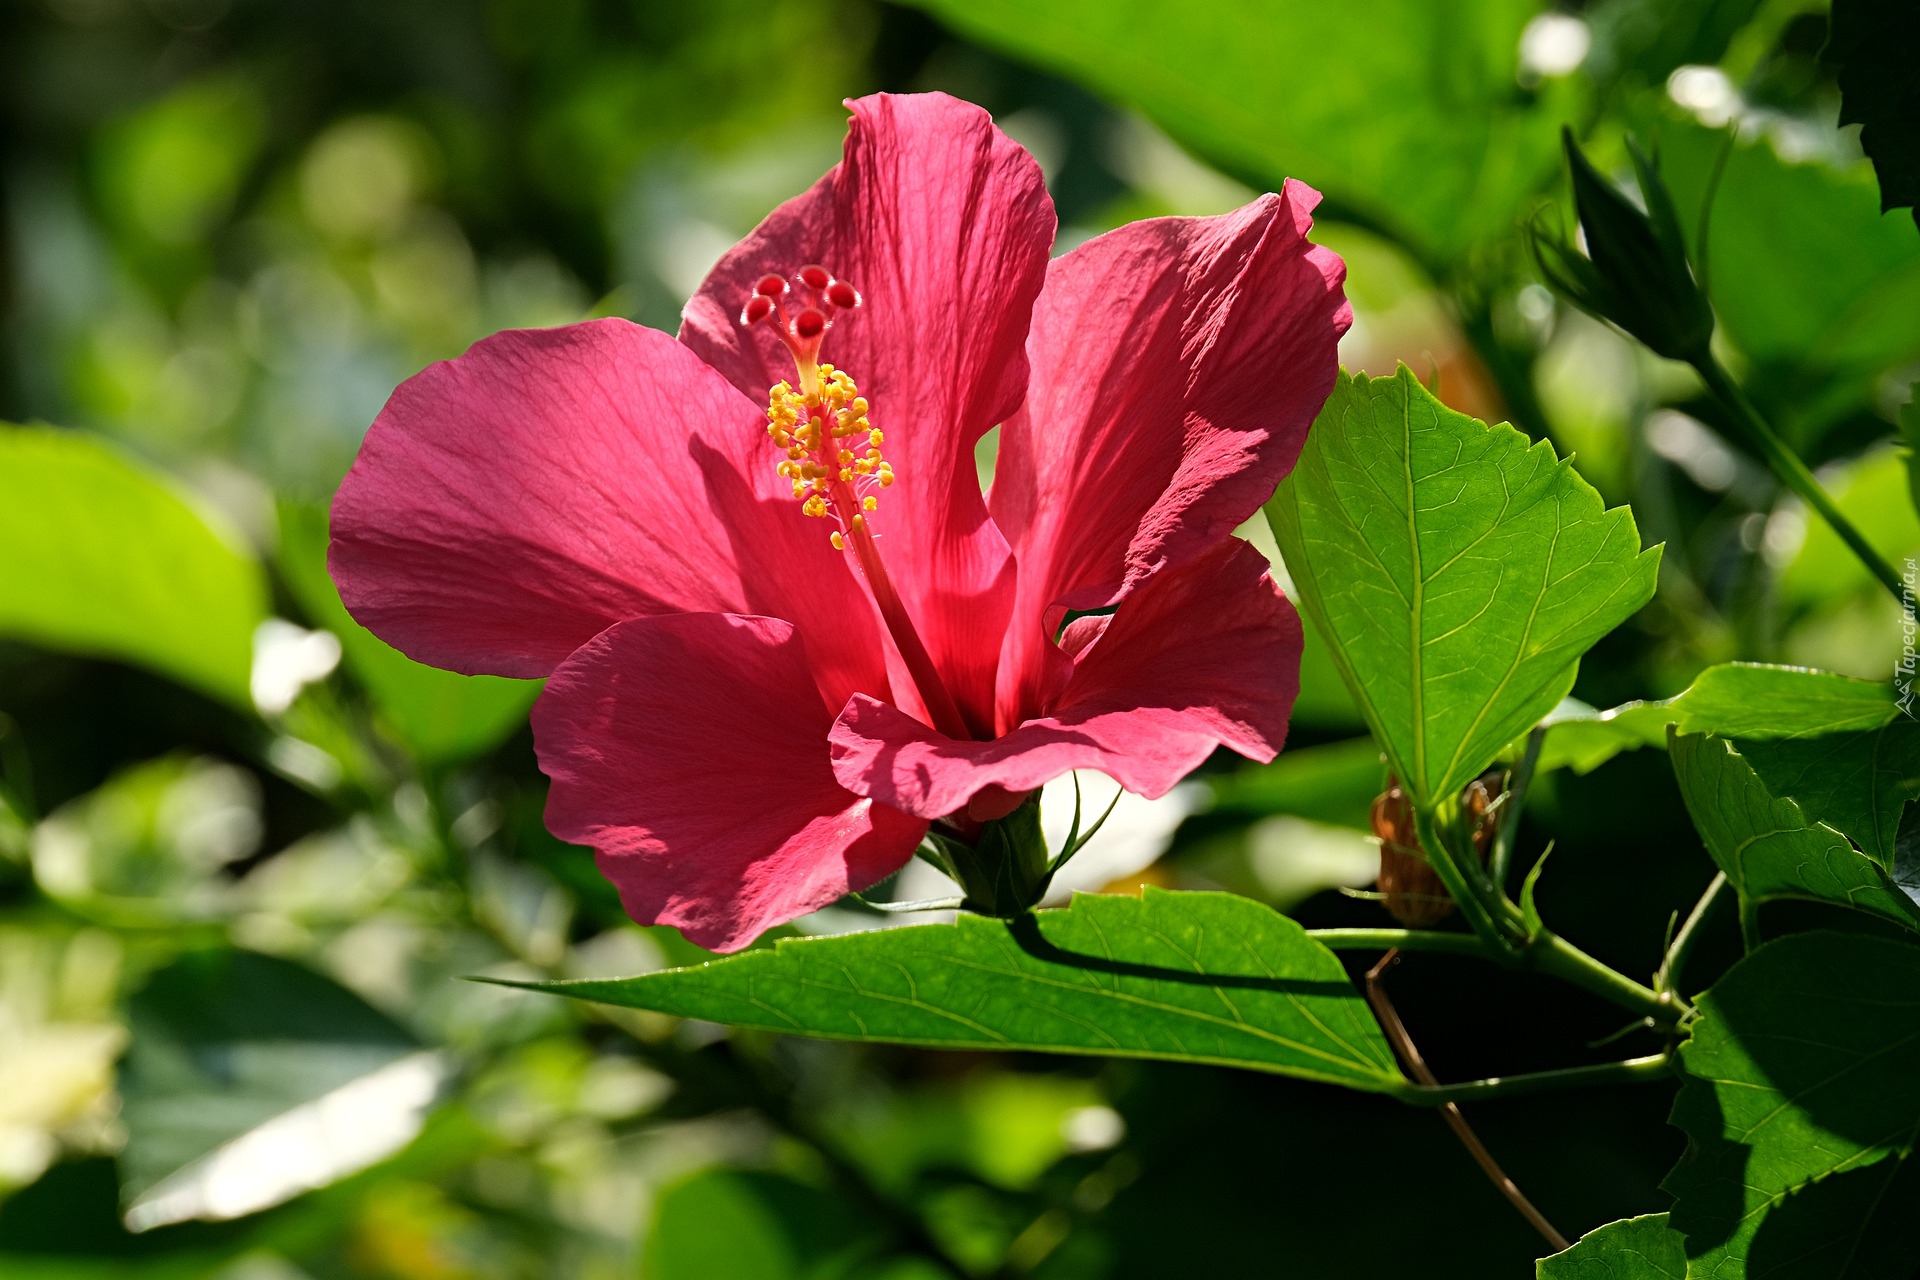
column 509, row 505
column 944, row 224
column 690, row 752
column 1200, row 656
column 1177, row 364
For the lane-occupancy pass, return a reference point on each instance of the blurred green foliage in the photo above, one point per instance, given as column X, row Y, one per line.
column 243, row 866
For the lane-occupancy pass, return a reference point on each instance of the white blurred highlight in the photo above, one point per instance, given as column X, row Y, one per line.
column 1554, row 44
column 340, row 1133
column 286, row 659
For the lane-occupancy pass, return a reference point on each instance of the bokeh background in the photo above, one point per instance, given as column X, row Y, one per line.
column 248, row 854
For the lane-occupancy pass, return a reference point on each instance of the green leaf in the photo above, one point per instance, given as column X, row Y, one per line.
column 1457, row 570
column 1335, row 783
column 1818, row 288
column 1635, row 1249
column 1876, row 45
column 230, row 1053
column 1857, row 783
column 1186, row 977
column 1745, row 700
column 734, row 1222
column 1406, row 112
column 1766, row 844
column 1803, row 1067
column 441, row 715
column 1751, row 700
column 106, row 557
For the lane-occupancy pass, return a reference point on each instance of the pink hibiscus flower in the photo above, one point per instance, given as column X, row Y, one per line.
column 783, row 628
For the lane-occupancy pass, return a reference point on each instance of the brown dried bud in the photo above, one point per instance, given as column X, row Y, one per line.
column 1411, row 890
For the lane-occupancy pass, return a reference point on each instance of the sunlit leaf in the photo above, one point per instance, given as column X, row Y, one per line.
column 1457, row 570
column 1812, row 282
column 1803, row 1080
column 1749, row 701
column 1188, row 977
column 441, row 715
column 1766, row 844
column 105, row 557
column 1635, row 1249
column 1403, row 111
column 251, row 1079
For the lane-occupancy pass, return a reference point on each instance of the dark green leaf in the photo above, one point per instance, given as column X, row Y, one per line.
column 1335, row 783
column 1857, row 783
column 1404, row 111
column 1805, row 1065
column 1876, row 44
column 441, row 715
column 226, row 1042
column 1189, row 977
column 1766, row 844
column 1855, row 1225
column 1457, row 570
column 106, row 557
column 1636, row 1249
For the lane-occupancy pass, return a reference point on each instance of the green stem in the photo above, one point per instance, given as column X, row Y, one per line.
column 1791, row 471
column 1632, row 1071
column 1749, row 923
column 1459, row 944
column 1467, row 896
column 1500, row 862
column 1554, row 955
column 1668, row 978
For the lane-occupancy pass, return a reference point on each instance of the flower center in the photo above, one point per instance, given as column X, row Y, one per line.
column 833, row 455
column 833, row 452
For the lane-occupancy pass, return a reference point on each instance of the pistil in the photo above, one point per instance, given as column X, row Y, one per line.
column 834, row 460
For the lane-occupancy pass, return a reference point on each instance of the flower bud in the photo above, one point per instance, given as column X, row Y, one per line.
column 1634, row 273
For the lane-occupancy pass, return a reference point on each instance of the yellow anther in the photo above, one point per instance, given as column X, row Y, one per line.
column 839, row 543
column 876, row 438
column 859, row 522
column 846, row 474
column 886, row 478
column 868, row 503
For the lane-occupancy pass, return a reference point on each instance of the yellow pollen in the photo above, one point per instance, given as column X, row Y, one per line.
column 830, row 479
column 839, row 543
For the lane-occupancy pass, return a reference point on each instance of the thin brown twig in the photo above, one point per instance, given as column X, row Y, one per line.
column 1403, row 1044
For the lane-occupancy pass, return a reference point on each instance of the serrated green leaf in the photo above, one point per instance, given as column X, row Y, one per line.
column 1458, row 572
column 1187, row 977
column 1804, row 1065
column 1404, row 111
column 1766, row 844
column 1635, row 1249
column 441, row 715
column 105, row 557
column 1876, row 45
